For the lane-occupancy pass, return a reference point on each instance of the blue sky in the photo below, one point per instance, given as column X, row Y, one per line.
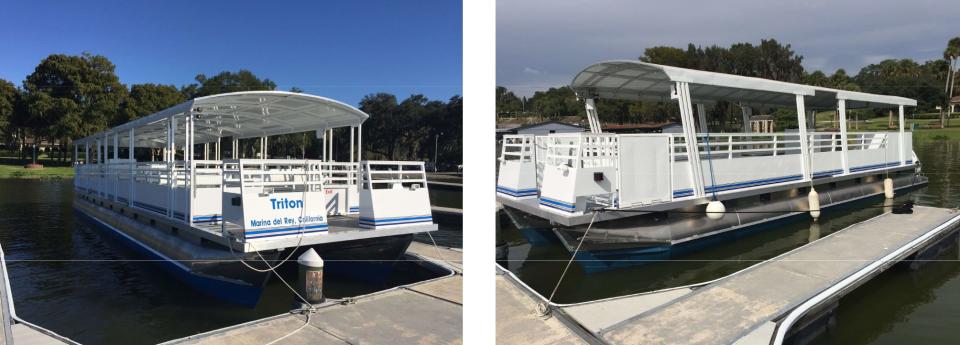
column 338, row 49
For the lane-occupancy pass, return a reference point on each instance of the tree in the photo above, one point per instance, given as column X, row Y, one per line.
column 557, row 102
column 664, row 55
column 507, row 102
column 146, row 99
column 225, row 82
column 9, row 102
column 71, row 96
column 951, row 54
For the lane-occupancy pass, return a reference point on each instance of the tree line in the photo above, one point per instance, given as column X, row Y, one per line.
column 73, row 96
column 928, row 82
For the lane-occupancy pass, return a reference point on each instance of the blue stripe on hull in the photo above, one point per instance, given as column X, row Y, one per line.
column 371, row 222
column 517, row 193
column 236, row 293
column 557, row 204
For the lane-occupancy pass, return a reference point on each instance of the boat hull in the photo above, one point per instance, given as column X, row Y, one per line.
column 213, row 269
column 654, row 237
column 226, row 280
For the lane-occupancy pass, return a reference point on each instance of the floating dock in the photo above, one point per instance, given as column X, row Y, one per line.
column 428, row 312
column 762, row 304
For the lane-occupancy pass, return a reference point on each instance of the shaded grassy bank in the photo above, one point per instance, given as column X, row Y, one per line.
column 17, row 171
column 11, row 166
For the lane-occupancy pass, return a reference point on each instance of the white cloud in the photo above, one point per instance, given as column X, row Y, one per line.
column 529, row 70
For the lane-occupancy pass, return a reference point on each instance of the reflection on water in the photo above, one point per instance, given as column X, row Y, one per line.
column 80, row 282
column 899, row 305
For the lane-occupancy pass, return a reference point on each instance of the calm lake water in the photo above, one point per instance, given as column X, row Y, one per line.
column 78, row 281
column 897, row 307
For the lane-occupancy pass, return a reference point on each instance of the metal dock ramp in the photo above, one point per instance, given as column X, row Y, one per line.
column 746, row 307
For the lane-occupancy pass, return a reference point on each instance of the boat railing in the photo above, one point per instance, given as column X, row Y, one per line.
column 393, row 194
column 582, row 150
column 393, row 174
column 518, row 147
column 274, row 174
column 728, row 162
column 732, row 145
column 340, row 173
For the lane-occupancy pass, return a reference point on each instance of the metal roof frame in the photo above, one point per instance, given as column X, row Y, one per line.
column 246, row 114
column 637, row 80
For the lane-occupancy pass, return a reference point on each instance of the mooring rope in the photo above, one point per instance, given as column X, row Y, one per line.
column 436, row 248
column 543, row 308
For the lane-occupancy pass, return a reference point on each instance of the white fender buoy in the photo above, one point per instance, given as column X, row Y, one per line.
column 715, row 210
column 813, row 199
column 888, row 188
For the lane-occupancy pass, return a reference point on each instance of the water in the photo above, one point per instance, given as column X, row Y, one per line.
column 898, row 306
column 79, row 281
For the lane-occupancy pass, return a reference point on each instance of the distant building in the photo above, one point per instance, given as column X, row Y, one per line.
column 761, row 124
column 955, row 101
column 548, row 127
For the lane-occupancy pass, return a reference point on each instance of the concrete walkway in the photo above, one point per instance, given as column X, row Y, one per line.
column 742, row 308
column 518, row 322
column 428, row 312
column 732, row 308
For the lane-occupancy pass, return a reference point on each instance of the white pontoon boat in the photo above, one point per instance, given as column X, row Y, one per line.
column 169, row 184
column 647, row 196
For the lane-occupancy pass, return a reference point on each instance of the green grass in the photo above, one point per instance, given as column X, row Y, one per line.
column 17, row 171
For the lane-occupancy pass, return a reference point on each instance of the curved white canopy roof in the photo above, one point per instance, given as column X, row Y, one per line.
column 244, row 114
column 637, row 80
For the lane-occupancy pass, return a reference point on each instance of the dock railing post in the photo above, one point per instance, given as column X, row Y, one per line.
column 310, row 278
column 6, row 302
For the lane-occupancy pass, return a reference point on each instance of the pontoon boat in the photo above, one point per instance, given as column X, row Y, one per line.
column 647, row 197
column 164, row 184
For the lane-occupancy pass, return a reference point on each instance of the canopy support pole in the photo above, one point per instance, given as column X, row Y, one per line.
column 359, row 142
column 190, row 163
column 76, row 153
column 842, row 113
column 903, row 159
column 236, row 147
column 702, row 119
column 133, row 167
column 352, row 129
column 216, row 149
column 592, row 116
column 171, row 158
column 690, row 138
column 330, row 146
column 804, row 142
column 745, row 112
column 116, row 146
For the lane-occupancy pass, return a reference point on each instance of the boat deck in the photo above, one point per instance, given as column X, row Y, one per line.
column 748, row 306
